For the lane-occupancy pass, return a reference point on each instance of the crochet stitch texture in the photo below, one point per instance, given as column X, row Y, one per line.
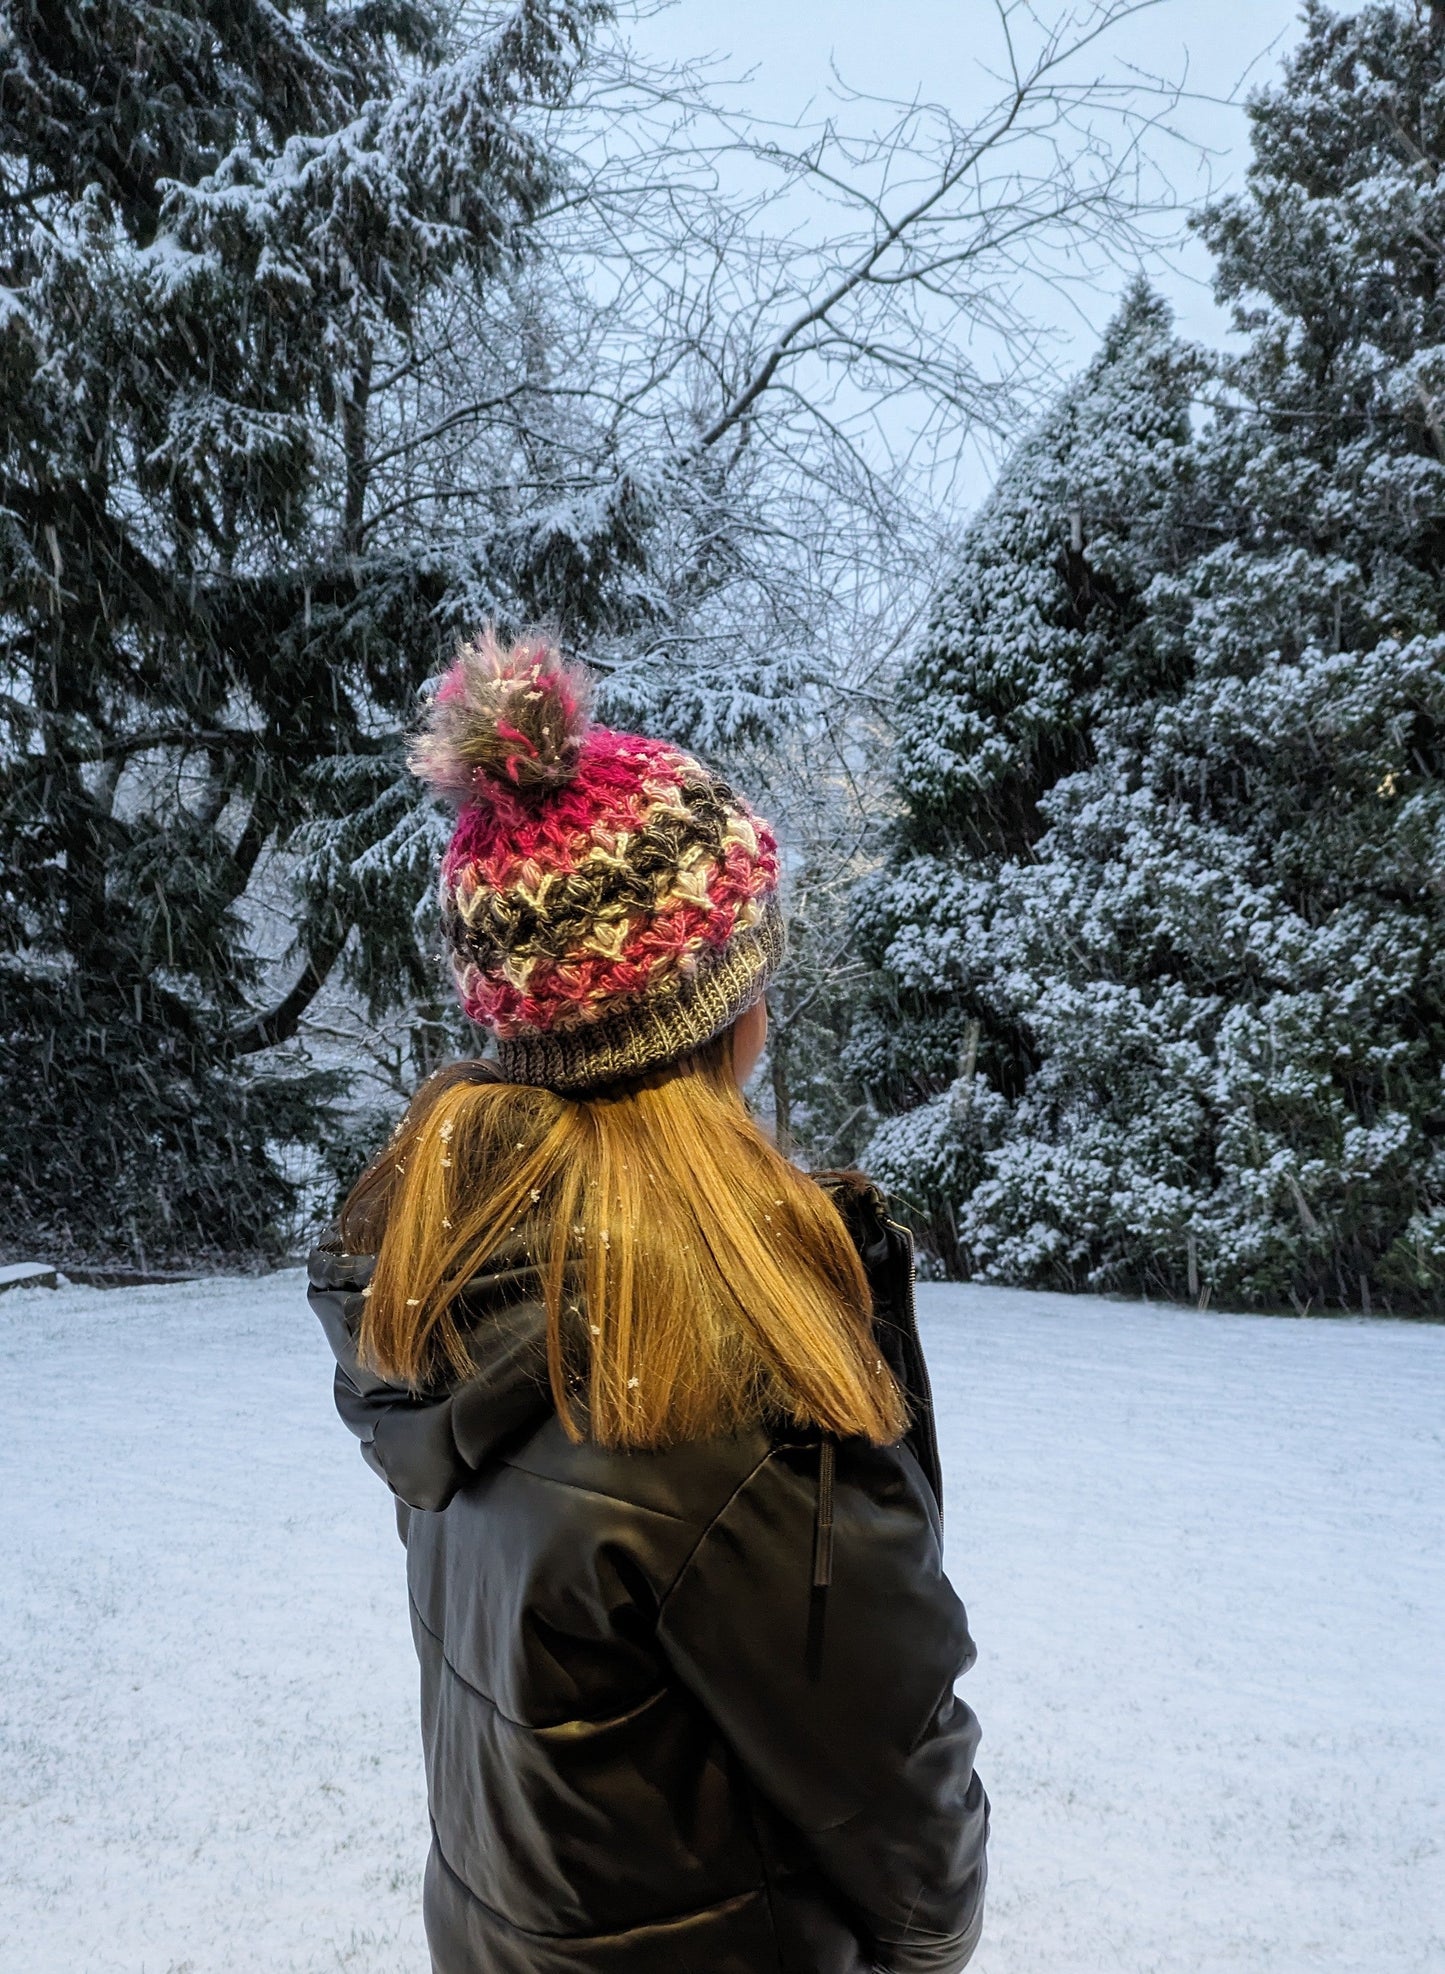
column 610, row 903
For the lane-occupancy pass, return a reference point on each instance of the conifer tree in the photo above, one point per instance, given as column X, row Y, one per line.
column 1224, row 948
column 220, row 226
column 1040, row 631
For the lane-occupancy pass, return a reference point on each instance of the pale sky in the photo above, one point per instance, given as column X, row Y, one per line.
column 935, row 48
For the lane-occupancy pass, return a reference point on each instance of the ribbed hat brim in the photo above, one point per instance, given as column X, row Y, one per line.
column 662, row 1027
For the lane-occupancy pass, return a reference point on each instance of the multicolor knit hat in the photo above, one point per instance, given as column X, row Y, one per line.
column 610, row 903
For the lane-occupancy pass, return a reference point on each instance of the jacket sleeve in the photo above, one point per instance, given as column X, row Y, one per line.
column 839, row 1702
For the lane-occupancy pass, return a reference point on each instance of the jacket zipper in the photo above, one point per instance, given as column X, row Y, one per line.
column 823, row 1520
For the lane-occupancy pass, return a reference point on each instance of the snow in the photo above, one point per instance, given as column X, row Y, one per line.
column 27, row 1275
column 1202, row 1556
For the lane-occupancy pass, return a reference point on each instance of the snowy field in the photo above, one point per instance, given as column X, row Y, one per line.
column 1203, row 1556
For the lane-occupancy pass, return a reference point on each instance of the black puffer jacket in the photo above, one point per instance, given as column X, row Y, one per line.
column 652, row 1742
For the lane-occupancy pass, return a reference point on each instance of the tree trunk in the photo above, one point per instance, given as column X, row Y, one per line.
column 279, row 1024
column 353, row 439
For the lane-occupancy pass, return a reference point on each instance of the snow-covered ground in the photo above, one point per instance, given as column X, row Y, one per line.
column 1203, row 1556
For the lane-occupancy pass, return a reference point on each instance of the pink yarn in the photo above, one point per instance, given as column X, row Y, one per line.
column 505, row 840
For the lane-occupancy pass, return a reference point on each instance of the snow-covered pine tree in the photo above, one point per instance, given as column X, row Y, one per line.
column 220, row 230
column 1040, row 629
column 1225, row 949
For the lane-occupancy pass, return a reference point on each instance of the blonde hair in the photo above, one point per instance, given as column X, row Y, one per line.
column 695, row 1281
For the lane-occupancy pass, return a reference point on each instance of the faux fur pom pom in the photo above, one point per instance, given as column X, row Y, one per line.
column 512, row 715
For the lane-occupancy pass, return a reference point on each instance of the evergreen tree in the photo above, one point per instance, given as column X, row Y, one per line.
column 1040, row 631
column 221, row 228
column 1225, row 947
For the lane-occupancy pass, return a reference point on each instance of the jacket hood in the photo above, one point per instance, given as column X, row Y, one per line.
column 426, row 1444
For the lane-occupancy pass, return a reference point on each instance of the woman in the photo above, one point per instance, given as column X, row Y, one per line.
column 652, row 1405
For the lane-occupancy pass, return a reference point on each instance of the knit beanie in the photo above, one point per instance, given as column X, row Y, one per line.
column 610, row 904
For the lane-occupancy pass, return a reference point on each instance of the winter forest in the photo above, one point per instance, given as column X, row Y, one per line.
column 1013, row 458
column 1101, row 709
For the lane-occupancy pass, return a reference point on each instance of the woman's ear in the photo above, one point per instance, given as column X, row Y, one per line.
column 750, row 1033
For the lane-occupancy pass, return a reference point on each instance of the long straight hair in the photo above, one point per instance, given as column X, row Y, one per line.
column 695, row 1281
